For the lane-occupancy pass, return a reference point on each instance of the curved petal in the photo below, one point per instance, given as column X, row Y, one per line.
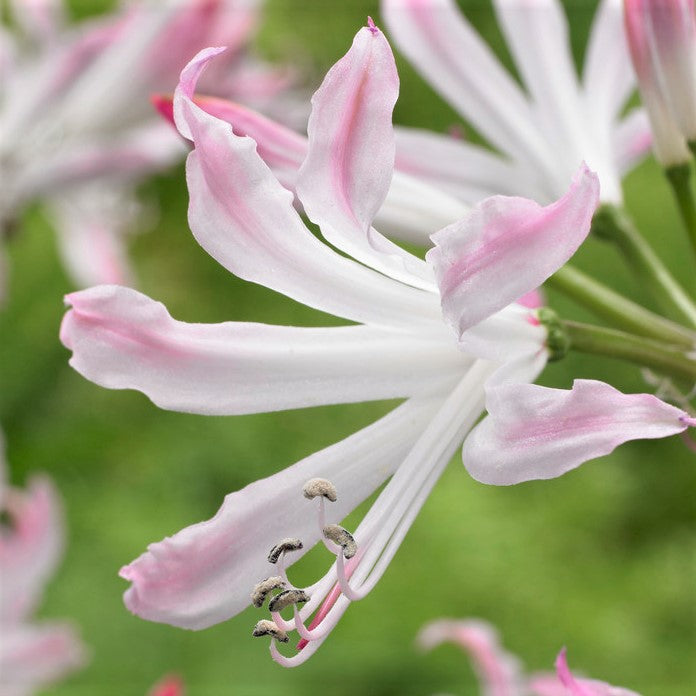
column 449, row 54
column 205, row 573
column 32, row 657
column 281, row 148
column 585, row 687
column 506, row 247
column 346, row 175
column 30, row 552
column 412, row 210
column 534, row 432
column 243, row 217
column 122, row 339
column 499, row 672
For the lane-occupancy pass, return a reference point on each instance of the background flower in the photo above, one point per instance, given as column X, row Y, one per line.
column 598, row 559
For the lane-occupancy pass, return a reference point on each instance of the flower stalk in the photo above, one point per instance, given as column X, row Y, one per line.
column 679, row 178
column 598, row 340
column 613, row 223
column 618, row 310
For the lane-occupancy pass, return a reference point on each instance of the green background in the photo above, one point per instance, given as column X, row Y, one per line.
column 601, row 560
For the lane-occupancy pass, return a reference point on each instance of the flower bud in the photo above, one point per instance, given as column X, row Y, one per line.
column 662, row 40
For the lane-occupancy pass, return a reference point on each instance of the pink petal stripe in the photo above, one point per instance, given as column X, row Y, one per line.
column 122, row 339
column 534, row 432
column 585, row 687
column 34, row 656
column 204, row 574
column 244, row 218
column 29, row 552
column 345, row 178
column 506, row 247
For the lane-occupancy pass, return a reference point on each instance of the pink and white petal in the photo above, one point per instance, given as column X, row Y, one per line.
column 31, row 548
column 130, row 156
column 451, row 56
column 122, row 339
column 607, row 76
column 412, row 210
column 91, row 223
column 204, row 574
column 632, row 139
column 34, row 656
column 350, row 160
column 466, row 171
column 668, row 141
column 585, row 687
column 499, row 672
column 281, row 148
column 506, row 247
column 535, row 432
column 244, row 218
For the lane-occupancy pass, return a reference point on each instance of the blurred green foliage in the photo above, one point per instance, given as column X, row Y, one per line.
column 601, row 560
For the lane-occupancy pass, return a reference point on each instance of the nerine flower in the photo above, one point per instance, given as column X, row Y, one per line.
column 443, row 334
column 500, row 673
column 541, row 136
column 77, row 129
column 541, row 132
column 662, row 38
column 32, row 654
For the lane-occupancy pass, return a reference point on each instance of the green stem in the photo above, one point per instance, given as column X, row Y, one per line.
column 617, row 309
column 679, row 179
column 614, row 224
column 610, row 343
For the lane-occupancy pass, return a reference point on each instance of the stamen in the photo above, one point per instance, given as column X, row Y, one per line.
column 319, row 486
column 343, row 538
column 286, row 598
column 289, row 544
column 268, row 628
column 262, row 589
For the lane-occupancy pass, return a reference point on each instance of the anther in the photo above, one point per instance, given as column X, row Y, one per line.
column 268, row 628
column 319, row 486
column 290, row 544
column 343, row 538
column 287, row 598
column 261, row 589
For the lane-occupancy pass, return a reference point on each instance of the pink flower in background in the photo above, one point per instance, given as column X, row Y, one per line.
column 77, row 129
column 662, row 38
column 500, row 673
column 32, row 654
column 440, row 333
column 544, row 131
column 169, row 686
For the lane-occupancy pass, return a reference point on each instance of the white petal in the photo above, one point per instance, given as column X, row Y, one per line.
column 608, row 78
column 122, row 339
column 459, row 65
column 244, row 218
column 205, row 573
